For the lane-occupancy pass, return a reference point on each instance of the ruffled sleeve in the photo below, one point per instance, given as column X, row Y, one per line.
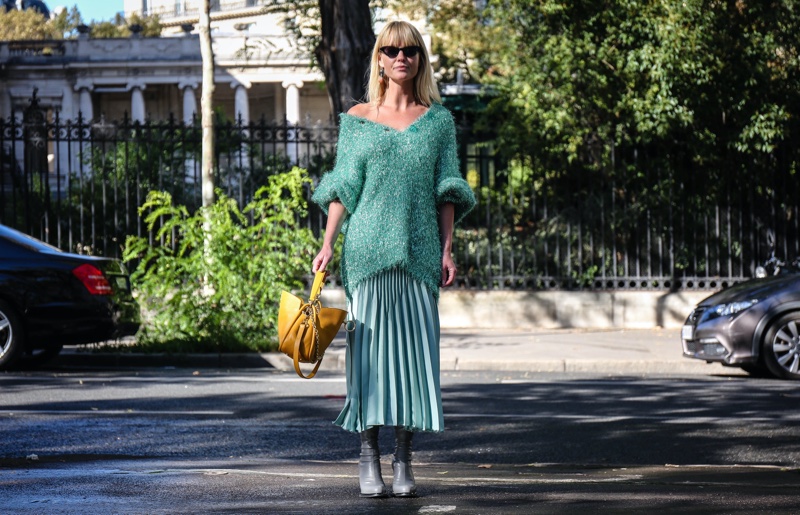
column 345, row 181
column 450, row 186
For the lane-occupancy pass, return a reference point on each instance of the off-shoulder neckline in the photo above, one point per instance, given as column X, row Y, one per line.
column 388, row 127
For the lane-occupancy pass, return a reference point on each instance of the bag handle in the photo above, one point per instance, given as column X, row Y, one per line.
column 316, row 287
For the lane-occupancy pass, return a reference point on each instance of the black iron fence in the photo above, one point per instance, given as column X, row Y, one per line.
column 78, row 185
column 634, row 224
column 638, row 222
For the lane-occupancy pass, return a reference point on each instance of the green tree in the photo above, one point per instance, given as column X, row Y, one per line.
column 119, row 27
column 578, row 73
column 67, row 22
column 26, row 25
column 31, row 25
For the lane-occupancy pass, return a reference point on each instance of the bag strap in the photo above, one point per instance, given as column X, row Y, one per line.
column 297, row 341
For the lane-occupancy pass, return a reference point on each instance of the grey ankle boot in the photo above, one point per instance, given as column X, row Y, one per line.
column 403, row 484
column 369, row 465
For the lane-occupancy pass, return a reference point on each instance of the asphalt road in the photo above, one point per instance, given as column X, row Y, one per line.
column 258, row 441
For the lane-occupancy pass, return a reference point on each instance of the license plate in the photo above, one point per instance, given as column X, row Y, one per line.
column 687, row 332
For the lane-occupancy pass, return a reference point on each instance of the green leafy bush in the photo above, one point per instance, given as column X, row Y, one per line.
column 211, row 281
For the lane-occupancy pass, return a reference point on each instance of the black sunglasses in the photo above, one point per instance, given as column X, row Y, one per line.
column 392, row 51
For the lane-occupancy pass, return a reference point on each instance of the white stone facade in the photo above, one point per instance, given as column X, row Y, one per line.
column 258, row 72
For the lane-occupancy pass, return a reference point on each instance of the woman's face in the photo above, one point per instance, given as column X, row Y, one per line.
column 401, row 68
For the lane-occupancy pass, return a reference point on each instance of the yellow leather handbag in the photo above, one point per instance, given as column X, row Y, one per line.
column 306, row 329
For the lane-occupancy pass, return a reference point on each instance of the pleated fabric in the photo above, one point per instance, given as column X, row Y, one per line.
column 392, row 357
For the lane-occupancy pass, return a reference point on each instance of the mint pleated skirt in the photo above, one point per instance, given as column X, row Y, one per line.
column 392, row 357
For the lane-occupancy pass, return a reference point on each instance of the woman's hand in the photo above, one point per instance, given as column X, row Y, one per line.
column 323, row 258
column 448, row 269
column 336, row 216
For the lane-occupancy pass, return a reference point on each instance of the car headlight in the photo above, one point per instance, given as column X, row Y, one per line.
column 722, row 310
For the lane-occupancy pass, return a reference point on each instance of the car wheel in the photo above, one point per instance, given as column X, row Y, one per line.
column 781, row 348
column 11, row 337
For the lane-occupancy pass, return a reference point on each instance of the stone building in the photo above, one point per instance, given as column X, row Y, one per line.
column 259, row 72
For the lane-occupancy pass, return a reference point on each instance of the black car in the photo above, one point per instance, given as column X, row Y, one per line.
column 50, row 298
column 754, row 325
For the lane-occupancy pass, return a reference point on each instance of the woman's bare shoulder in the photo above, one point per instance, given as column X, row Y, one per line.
column 361, row 110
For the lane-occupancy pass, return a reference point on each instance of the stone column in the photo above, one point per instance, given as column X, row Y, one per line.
column 191, row 167
column 279, row 103
column 137, row 101
column 292, row 117
column 86, row 111
column 241, row 103
column 84, row 89
column 292, row 100
column 67, row 103
column 189, row 100
column 241, row 113
column 68, row 112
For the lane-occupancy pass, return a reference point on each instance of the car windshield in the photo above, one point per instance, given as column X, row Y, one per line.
column 26, row 241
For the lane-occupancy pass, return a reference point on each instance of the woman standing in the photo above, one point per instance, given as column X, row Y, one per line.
column 396, row 192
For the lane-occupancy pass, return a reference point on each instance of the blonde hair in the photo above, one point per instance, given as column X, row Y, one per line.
column 402, row 33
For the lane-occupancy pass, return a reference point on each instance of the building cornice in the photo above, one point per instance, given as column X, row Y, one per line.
column 177, row 21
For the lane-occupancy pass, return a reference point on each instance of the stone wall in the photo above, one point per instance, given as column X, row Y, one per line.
column 557, row 309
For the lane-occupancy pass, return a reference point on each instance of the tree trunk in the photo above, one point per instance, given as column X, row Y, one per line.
column 206, row 105
column 344, row 50
column 207, row 142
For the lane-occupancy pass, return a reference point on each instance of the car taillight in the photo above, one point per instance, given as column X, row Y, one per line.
column 93, row 279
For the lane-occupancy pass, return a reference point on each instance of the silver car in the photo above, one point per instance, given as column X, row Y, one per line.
column 754, row 325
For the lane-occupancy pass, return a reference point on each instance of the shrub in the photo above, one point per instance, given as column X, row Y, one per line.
column 211, row 281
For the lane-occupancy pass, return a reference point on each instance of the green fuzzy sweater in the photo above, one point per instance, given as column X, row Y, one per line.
column 391, row 183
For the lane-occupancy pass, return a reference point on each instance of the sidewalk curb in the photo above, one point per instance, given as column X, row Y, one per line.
column 598, row 351
column 335, row 362
column 78, row 358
